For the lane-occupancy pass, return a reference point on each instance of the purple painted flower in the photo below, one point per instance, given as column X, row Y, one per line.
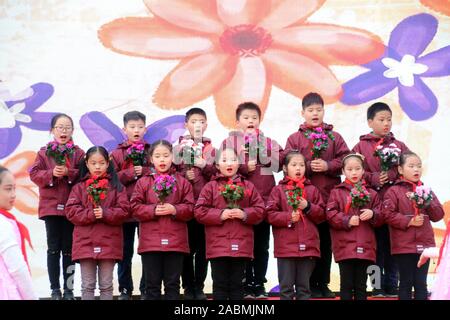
column 100, row 130
column 20, row 110
column 402, row 67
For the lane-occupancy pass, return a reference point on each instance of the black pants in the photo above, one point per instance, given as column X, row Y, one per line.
column 227, row 276
column 256, row 269
column 411, row 276
column 124, row 267
column 162, row 267
column 320, row 277
column 353, row 279
column 295, row 272
column 385, row 261
column 59, row 241
column 195, row 265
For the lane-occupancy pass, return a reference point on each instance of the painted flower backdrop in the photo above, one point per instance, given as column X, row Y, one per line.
column 20, row 110
column 236, row 50
column 402, row 66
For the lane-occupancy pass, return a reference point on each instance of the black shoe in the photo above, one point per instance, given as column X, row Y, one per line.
column 391, row 293
column 249, row 293
column 378, row 293
column 260, row 292
column 125, row 294
column 56, row 294
column 68, row 295
column 200, row 295
column 189, row 294
column 327, row 293
column 316, row 293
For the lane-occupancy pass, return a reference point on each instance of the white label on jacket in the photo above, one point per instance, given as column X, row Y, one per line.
column 97, row 249
column 419, row 248
column 234, row 247
column 302, row 247
column 60, row 207
column 164, row 242
column 359, row 250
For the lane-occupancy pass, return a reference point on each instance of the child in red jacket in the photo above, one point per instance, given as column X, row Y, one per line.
column 163, row 203
column 379, row 119
column 294, row 208
column 194, row 156
column 97, row 206
column 229, row 206
column 131, row 161
column 323, row 149
column 409, row 208
column 55, row 172
column 260, row 158
column 353, row 210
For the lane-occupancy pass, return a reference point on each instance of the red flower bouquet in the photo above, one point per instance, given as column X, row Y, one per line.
column 97, row 189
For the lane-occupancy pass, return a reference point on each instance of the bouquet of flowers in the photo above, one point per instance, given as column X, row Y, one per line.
column 164, row 186
column 233, row 193
column 359, row 195
column 389, row 156
column 294, row 193
column 97, row 189
column 319, row 139
column 136, row 153
column 421, row 197
column 60, row 152
column 254, row 144
column 189, row 150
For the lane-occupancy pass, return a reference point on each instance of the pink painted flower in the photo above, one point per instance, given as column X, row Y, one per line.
column 236, row 50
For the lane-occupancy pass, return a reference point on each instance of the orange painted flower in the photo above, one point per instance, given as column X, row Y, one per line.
column 441, row 6
column 27, row 200
column 236, row 50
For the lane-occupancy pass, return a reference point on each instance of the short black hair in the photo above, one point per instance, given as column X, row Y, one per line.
column 310, row 99
column 193, row 111
column 377, row 107
column 247, row 106
column 133, row 115
column 2, row 171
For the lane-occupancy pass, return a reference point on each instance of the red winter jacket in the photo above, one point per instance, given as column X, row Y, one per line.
column 398, row 211
column 125, row 168
column 162, row 233
column 352, row 242
column 299, row 239
column 54, row 192
column 372, row 167
column 267, row 163
column 337, row 149
column 232, row 237
column 202, row 176
column 97, row 238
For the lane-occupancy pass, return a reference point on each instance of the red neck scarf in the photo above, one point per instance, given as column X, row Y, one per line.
column 379, row 143
column 414, row 186
column 24, row 234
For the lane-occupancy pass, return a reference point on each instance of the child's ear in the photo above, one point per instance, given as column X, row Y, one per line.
column 302, row 113
column 400, row 170
column 217, row 166
column 284, row 169
column 369, row 122
column 185, row 125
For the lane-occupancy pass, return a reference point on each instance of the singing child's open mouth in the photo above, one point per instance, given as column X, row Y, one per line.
column 229, row 170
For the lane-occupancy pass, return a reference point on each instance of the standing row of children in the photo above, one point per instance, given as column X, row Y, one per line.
column 218, row 205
